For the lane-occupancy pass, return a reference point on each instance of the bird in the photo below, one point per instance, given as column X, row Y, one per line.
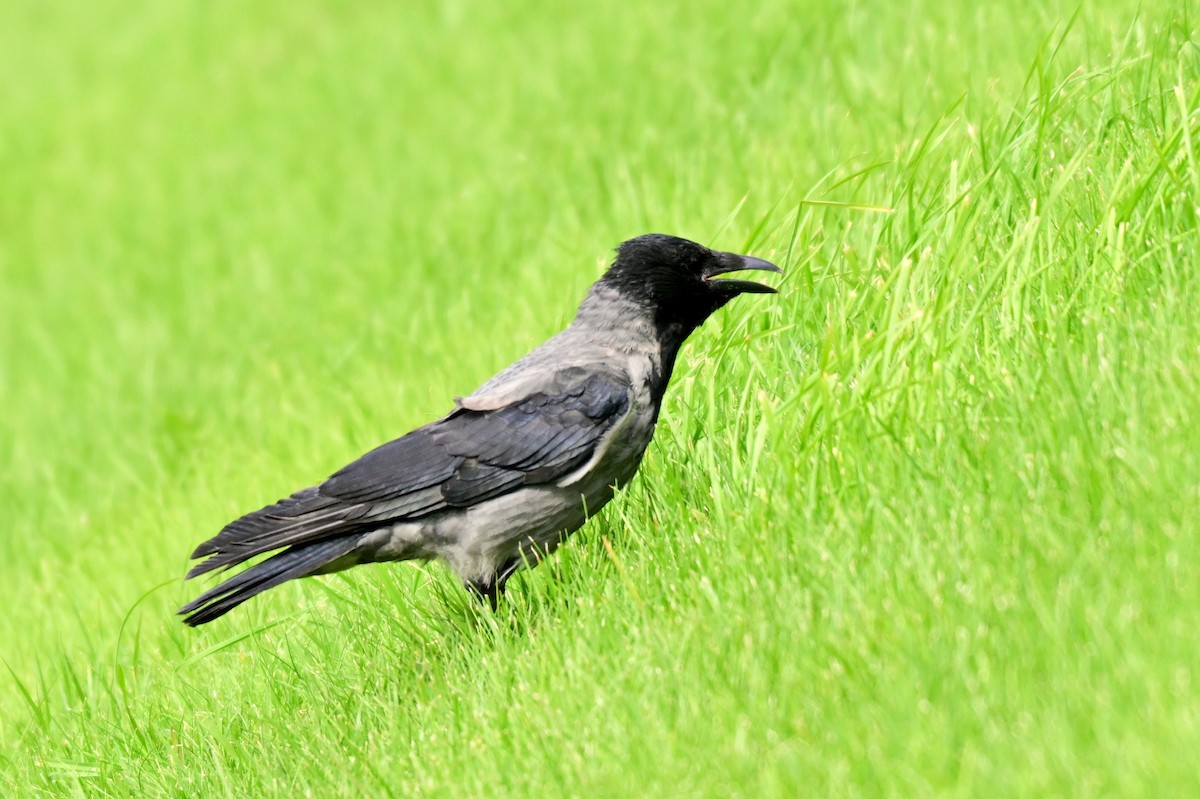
column 516, row 466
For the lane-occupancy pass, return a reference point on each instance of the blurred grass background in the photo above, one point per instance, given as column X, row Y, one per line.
column 922, row 524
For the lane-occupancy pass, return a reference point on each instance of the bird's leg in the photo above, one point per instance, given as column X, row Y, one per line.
column 491, row 588
column 486, row 590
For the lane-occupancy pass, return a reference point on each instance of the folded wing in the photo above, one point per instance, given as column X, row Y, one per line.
column 463, row 459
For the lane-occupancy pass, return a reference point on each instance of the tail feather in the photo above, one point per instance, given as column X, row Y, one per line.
column 298, row 561
column 233, row 554
column 289, row 513
column 303, row 518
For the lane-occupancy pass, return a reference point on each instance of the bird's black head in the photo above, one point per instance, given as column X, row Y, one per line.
column 676, row 279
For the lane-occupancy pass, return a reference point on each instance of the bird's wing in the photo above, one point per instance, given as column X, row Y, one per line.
column 472, row 455
column 458, row 461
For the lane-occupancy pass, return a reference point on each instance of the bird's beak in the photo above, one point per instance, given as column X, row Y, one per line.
column 732, row 262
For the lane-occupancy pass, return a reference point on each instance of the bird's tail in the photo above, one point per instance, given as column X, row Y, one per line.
column 298, row 561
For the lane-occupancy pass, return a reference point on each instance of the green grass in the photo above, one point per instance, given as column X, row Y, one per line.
column 923, row 524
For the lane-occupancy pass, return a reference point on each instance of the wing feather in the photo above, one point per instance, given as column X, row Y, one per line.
column 463, row 459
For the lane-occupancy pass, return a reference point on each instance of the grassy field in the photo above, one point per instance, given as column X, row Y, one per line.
column 923, row 524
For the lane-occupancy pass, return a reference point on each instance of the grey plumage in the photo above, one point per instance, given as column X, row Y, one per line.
column 519, row 464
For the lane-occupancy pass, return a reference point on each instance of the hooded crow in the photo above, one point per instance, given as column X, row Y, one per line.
column 514, row 468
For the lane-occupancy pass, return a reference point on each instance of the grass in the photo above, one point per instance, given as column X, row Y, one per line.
column 923, row 524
